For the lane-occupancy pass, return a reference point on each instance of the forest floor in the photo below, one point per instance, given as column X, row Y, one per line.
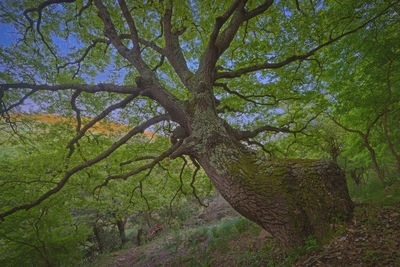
column 371, row 238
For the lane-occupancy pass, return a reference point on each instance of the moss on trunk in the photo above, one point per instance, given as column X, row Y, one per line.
column 290, row 198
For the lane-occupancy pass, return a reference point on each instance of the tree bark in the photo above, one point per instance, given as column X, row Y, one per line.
column 139, row 237
column 121, row 229
column 390, row 144
column 290, row 198
column 99, row 239
column 375, row 164
column 385, row 117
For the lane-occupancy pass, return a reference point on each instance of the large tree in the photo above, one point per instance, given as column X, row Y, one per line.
column 223, row 74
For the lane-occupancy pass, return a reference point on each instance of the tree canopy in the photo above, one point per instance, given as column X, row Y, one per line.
column 221, row 79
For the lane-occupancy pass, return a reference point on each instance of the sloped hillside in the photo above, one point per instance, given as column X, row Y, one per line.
column 105, row 126
column 220, row 237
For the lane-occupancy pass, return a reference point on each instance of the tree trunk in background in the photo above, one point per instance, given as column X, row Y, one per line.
column 385, row 118
column 99, row 240
column 121, row 229
column 389, row 142
column 375, row 165
column 290, row 198
column 139, row 237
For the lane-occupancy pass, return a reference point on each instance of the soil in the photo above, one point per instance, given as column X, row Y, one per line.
column 372, row 238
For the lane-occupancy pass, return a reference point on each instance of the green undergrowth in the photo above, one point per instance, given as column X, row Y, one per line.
column 236, row 241
column 197, row 246
column 230, row 241
column 374, row 192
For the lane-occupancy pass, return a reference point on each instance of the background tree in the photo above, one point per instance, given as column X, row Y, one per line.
column 364, row 89
column 255, row 70
column 49, row 234
column 84, row 218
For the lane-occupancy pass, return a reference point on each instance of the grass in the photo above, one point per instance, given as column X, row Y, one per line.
column 373, row 192
column 236, row 241
column 233, row 239
column 104, row 259
column 228, row 241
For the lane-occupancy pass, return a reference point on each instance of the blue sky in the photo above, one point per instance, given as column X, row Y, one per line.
column 7, row 34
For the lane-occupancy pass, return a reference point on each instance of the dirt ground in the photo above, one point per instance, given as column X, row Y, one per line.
column 372, row 238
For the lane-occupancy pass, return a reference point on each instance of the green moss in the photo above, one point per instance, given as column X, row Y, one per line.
column 262, row 176
column 299, row 183
column 190, row 106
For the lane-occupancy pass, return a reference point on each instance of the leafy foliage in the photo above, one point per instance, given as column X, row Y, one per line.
column 289, row 79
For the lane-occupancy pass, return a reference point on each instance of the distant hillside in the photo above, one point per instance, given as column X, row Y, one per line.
column 104, row 126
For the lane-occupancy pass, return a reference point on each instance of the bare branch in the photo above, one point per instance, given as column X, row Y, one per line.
column 180, row 188
column 248, row 97
column 131, row 24
column 136, row 160
column 245, row 135
column 85, row 53
column 70, row 172
column 173, row 49
column 83, row 8
column 101, row 87
column 7, row 118
column 197, row 168
column 96, row 119
column 39, row 10
column 78, row 61
column 147, row 81
column 142, row 195
column 3, row 108
column 153, row 46
column 253, row 142
column 76, row 109
column 258, row 10
column 159, row 63
column 298, row 6
column 268, row 65
column 150, row 165
column 42, row 6
column 363, row 135
column 220, row 21
column 219, row 42
column 181, row 174
column 110, row 31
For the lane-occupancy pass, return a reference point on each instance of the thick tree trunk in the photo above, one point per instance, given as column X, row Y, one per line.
column 290, row 198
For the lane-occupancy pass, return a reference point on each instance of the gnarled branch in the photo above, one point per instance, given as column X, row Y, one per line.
column 39, row 10
column 269, row 65
column 220, row 41
column 82, row 58
column 86, row 164
column 173, row 50
column 96, row 119
column 248, row 98
column 197, row 168
column 111, row 32
column 101, row 87
column 245, row 135
column 150, row 165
